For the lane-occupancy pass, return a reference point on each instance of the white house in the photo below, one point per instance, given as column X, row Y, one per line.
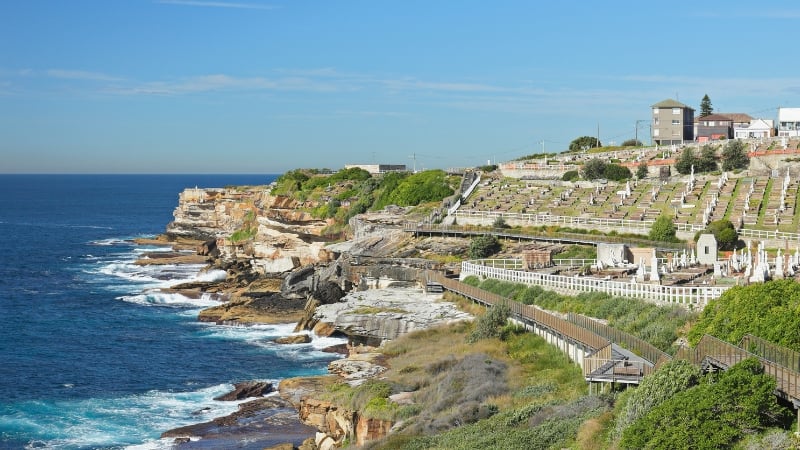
column 757, row 128
column 789, row 122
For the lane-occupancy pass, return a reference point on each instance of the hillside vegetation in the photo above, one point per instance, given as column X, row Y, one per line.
column 348, row 192
column 769, row 310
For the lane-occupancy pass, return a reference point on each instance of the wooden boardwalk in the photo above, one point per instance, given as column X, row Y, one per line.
column 610, row 355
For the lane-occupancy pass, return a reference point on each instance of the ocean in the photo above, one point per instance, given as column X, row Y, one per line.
column 90, row 355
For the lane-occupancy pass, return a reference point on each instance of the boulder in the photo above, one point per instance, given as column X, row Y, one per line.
column 294, row 339
column 245, row 390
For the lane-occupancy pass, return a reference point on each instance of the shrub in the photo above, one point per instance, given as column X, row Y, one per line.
column 490, row 324
column 483, row 246
column 570, row 175
column 673, row 377
column 712, row 415
column 663, row 229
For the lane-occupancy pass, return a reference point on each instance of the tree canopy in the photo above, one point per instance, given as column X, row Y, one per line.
column 705, row 106
column 663, row 229
column 641, row 170
column 597, row 168
column 706, row 162
column 578, row 144
column 734, row 156
column 767, row 310
column 724, row 232
column 712, row 415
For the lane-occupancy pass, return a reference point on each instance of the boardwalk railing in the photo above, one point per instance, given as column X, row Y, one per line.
column 524, row 313
column 628, row 341
column 711, row 351
column 764, row 349
column 599, row 364
column 690, row 296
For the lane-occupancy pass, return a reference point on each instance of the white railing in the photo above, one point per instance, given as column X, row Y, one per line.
column 465, row 194
column 641, row 226
column 769, row 235
column 689, row 296
column 549, row 219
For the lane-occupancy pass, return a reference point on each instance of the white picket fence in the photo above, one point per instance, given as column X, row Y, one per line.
column 625, row 225
column 687, row 296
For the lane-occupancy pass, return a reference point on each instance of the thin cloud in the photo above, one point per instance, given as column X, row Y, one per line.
column 80, row 75
column 210, row 4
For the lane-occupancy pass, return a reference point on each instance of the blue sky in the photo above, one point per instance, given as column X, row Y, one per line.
column 262, row 86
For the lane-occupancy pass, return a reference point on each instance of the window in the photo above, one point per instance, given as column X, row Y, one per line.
column 676, row 122
column 676, row 111
column 676, row 133
column 706, row 249
column 655, row 121
column 655, row 132
column 655, row 110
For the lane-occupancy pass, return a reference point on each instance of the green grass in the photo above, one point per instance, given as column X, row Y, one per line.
column 762, row 209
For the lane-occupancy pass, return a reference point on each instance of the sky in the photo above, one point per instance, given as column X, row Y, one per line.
column 265, row 86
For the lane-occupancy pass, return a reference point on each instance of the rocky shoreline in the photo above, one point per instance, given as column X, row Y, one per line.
column 286, row 274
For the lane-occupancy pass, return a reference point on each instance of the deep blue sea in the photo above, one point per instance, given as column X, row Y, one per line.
column 91, row 354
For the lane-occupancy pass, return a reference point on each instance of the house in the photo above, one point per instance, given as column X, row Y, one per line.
column 789, row 122
column 376, row 169
column 713, row 127
column 673, row 122
column 738, row 119
column 756, row 129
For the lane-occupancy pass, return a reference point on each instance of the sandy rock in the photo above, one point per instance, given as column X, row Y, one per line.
column 294, row 339
column 386, row 313
column 294, row 389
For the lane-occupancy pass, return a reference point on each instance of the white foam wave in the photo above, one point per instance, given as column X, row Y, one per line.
column 157, row 298
column 129, row 420
column 212, row 275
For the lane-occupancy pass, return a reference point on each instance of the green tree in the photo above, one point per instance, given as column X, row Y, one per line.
column 685, row 161
column 570, row 175
column 490, row 324
column 593, row 169
column 641, row 170
column 578, row 144
column 663, row 229
column 632, row 143
column 483, row 246
column 767, row 310
column 712, row 415
column 734, row 156
column 724, row 232
column 616, row 172
column 705, row 106
column 673, row 377
column 707, row 162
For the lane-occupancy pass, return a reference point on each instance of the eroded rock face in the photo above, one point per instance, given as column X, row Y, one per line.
column 387, row 313
column 245, row 390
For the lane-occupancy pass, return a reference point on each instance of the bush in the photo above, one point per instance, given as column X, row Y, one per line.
column 712, row 415
column 570, row 175
column 673, row 377
column 663, row 230
column 490, row 324
column 483, row 246
column 616, row 172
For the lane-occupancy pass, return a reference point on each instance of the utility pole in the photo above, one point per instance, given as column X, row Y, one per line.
column 542, row 142
column 598, row 134
column 414, row 157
